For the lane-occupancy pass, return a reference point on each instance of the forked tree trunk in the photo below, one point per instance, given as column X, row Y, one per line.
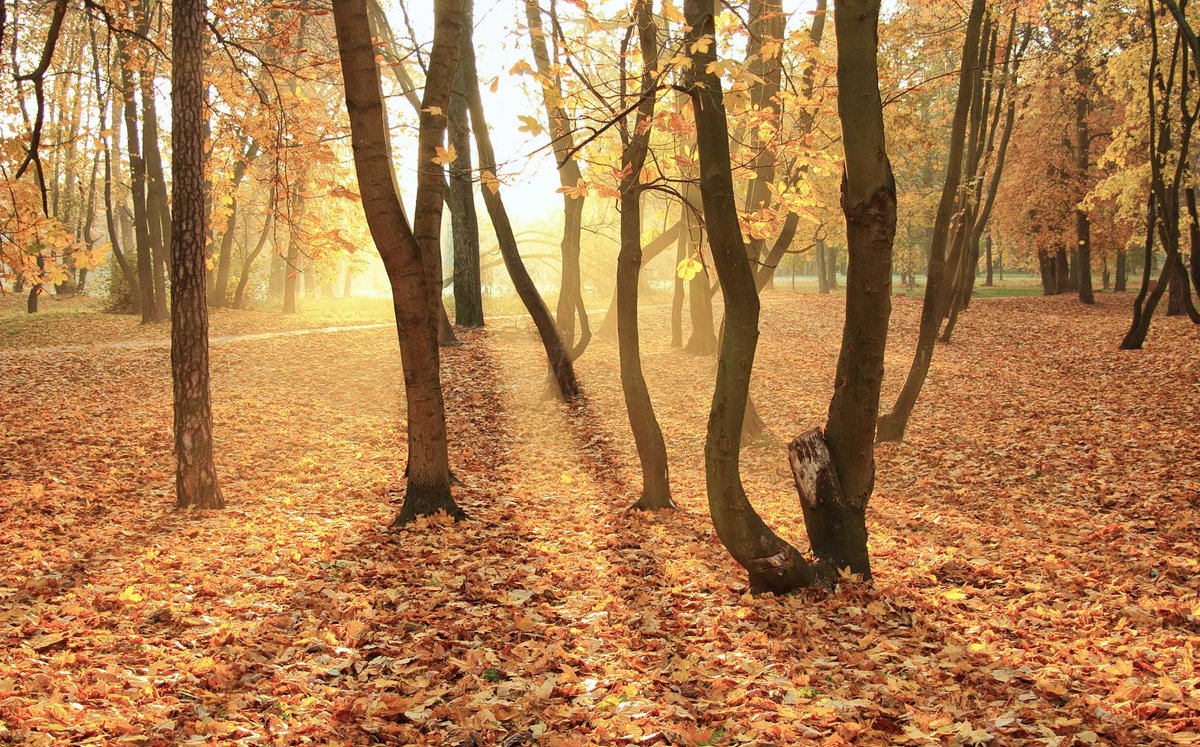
column 608, row 327
column 239, row 295
column 137, row 185
column 158, row 211
column 219, row 296
column 415, row 291
column 196, row 484
column 893, row 424
column 647, row 435
column 558, row 355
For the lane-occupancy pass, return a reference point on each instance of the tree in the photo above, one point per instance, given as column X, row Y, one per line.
column 893, row 424
column 652, row 450
column 415, row 290
column 834, row 470
column 196, row 484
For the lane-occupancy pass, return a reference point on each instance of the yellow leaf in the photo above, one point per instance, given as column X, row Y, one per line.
column 490, row 181
column 701, row 45
column 688, row 269
column 434, row 110
column 445, row 155
column 130, row 595
column 955, row 595
column 529, row 124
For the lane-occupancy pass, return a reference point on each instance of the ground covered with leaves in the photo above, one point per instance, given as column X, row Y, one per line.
column 1034, row 542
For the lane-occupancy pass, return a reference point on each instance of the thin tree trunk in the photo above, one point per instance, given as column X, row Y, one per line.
column 219, row 295
column 239, row 295
column 1083, row 229
column 1120, row 277
column 647, row 435
column 892, row 425
column 822, row 276
column 562, row 141
column 196, row 484
column 158, row 212
column 468, row 287
column 137, row 186
column 557, row 353
column 988, row 251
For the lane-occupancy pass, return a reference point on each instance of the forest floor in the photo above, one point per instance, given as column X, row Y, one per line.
column 1035, row 545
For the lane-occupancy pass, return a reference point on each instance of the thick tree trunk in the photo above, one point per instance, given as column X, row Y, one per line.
column 415, row 290
column 468, row 288
column 869, row 203
column 1120, row 278
column 892, row 425
column 196, row 484
column 831, row 267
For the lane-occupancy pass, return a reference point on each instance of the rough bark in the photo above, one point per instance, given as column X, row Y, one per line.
column 414, row 289
column 196, row 484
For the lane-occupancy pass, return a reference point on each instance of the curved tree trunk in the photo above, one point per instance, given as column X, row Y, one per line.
column 196, row 484
column 415, row 289
column 557, row 353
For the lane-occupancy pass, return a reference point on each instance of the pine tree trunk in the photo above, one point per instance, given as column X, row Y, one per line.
column 196, row 484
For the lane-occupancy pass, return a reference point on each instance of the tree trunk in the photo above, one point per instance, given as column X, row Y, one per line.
column 158, row 211
column 219, row 295
column 1062, row 271
column 239, row 296
column 1194, row 238
column 415, row 290
column 137, row 186
column 822, row 276
column 647, row 435
column 773, row 564
column 869, row 203
column 681, row 253
column 468, row 287
column 562, row 141
column 557, row 354
column 831, row 267
column 196, row 484
column 892, row 425
column 988, row 251
column 1120, row 278
column 1083, row 230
